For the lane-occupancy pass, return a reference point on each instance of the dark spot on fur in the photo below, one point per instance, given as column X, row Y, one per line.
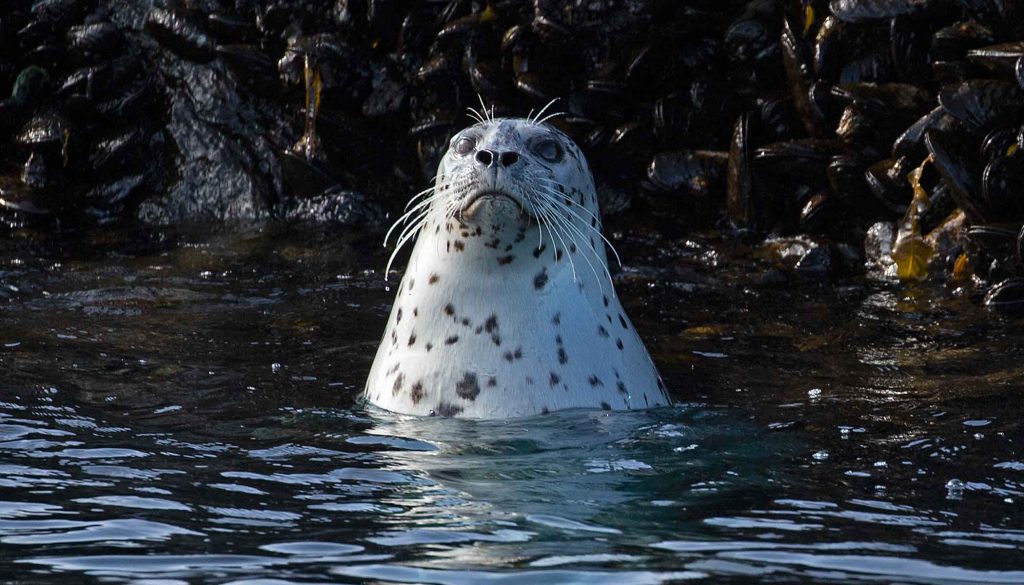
column 529, row 381
column 433, row 279
column 493, row 243
column 562, row 357
column 430, row 346
column 479, row 329
column 492, row 382
column 605, row 300
column 412, row 338
column 509, row 247
column 459, row 246
column 465, row 322
column 449, row 310
column 602, row 331
column 618, row 343
column 604, row 406
column 554, row 379
column 447, row 409
column 545, row 410
column 558, row 255
column 622, row 320
column 398, row 316
column 539, row 250
column 417, row 393
column 415, row 312
column 496, row 339
column 595, row 381
column 541, row 279
column 557, row 319
column 468, row 388
column 398, row 384
column 503, row 260
column 622, row 388
column 451, row 340
column 491, row 324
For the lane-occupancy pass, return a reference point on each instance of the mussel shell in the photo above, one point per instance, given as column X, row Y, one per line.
column 868, row 10
column 983, row 103
column 180, row 33
column 89, row 43
column 817, row 213
column 940, row 205
column 671, row 115
column 740, row 202
column 116, row 153
column 994, row 239
column 1003, row 55
column 534, row 87
column 953, row 42
column 911, row 142
column 695, row 172
column 1008, row 295
column 958, row 169
column 999, row 142
column 887, row 180
column 488, row 79
column 910, row 41
column 806, row 159
column 846, row 177
column 250, row 65
column 1020, row 246
column 779, row 120
column 797, row 62
column 1002, row 186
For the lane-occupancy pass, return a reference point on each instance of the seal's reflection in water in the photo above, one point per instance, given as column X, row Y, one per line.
column 572, row 483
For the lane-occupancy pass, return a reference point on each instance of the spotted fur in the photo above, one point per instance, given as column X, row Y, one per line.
column 518, row 291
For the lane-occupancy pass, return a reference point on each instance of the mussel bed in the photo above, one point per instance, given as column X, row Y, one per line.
column 874, row 136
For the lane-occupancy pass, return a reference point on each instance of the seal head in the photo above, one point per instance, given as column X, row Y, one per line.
column 507, row 307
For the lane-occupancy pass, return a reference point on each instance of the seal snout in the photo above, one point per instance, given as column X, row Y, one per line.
column 491, row 158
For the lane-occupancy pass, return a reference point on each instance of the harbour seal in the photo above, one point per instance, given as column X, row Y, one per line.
column 507, row 307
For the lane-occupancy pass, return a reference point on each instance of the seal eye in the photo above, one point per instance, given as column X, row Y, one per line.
column 464, row 145
column 549, row 150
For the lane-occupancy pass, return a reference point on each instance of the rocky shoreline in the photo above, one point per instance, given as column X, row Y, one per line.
column 886, row 134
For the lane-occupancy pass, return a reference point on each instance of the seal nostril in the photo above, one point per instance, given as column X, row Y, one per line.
column 485, row 157
column 509, row 158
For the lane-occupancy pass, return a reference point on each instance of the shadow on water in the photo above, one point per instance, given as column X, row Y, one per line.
column 184, row 408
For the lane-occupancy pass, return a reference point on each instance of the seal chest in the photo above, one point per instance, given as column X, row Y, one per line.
column 507, row 308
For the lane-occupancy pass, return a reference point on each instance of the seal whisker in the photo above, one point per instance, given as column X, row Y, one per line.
column 405, row 237
column 540, row 226
column 405, row 216
column 533, row 119
column 573, row 232
column 554, row 229
column 587, row 225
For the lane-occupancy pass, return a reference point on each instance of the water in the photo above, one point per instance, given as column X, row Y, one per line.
column 182, row 408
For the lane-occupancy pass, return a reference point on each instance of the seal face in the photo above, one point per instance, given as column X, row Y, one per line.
column 507, row 307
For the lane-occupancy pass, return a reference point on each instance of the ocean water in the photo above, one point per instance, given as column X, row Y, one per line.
column 183, row 407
